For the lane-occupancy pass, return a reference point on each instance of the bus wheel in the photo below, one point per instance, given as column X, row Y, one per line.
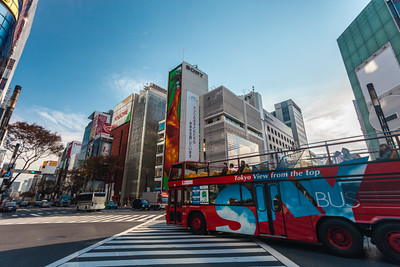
column 387, row 238
column 341, row 237
column 197, row 223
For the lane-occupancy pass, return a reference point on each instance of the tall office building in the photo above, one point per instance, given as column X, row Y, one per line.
column 148, row 108
column 83, row 154
column 370, row 48
column 120, row 127
column 16, row 18
column 290, row 114
column 232, row 127
column 184, row 118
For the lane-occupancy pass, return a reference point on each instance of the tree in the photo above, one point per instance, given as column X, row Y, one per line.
column 35, row 142
column 75, row 181
column 100, row 168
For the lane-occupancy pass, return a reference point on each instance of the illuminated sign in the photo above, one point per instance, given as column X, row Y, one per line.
column 171, row 151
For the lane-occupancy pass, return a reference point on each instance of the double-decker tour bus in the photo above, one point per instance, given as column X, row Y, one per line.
column 334, row 192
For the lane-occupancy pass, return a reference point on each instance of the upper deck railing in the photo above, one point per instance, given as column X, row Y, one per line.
column 326, row 153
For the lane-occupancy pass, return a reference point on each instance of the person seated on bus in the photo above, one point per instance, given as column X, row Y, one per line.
column 232, row 169
column 224, row 168
column 247, row 169
column 242, row 166
column 338, row 157
column 385, row 152
column 347, row 155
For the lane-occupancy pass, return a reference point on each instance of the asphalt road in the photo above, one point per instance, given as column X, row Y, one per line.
column 41, row 239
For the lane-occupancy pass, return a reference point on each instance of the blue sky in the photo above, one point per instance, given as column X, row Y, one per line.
column 89, row 55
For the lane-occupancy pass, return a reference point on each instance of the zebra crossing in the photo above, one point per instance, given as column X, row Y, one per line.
column 98, row 218
column 154, row 243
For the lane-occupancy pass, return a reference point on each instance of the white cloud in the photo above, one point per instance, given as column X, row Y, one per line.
column 124, row 84
column 70, row 126
column 331, row 116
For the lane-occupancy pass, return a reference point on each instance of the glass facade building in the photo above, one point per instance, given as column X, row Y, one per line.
column 139, row 171
column 290, row 114
column 373, row 31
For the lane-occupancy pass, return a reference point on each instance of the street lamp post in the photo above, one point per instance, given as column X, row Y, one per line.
column 380, row 115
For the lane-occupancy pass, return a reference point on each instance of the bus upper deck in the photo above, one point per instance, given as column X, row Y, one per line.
column 294, row 162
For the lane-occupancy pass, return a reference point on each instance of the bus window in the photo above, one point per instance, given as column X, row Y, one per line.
column 214, row 190
column 195, row 169
column 176, row 172
column 187, row 195
column 276, row 199
column 179, row 199
column 260, row 198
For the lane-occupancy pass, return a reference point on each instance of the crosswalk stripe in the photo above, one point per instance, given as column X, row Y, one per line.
column 236, row 244
column 180, row 236
column 173, row 241
column 175, row 261
column 171, row 252
column 156, row 233
column 78, row 219
column 145, row 218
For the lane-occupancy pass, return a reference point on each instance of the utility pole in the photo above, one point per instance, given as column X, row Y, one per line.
column 8, row 113
column 379, row 113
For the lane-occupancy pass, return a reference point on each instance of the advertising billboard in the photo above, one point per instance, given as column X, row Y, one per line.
column 103, row 130
column 98, row 119
column 105, row 149
column 73, row 148
column 122, row 112
column 171, row 151
column 382, row 69
column 192, row 149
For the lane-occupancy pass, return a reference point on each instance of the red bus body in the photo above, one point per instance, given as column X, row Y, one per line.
column 325, row 203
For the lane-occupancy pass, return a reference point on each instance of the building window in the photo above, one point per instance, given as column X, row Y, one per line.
column 235, row 122
column 209, row 121
column 159, row 160
column 285, row 113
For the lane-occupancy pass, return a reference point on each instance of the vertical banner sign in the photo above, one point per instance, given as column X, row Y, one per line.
column 192, row 127
column 171, row 151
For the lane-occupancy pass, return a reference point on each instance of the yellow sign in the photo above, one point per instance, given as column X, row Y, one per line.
column 13, row 7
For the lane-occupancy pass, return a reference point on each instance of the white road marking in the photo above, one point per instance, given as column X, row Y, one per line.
column 276, row 254
column 171, row 252
column 76, row 254
column 176, row 261
column 236, row 244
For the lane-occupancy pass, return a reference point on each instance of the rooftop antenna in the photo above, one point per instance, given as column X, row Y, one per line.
column 183, row 54
column 253, row 89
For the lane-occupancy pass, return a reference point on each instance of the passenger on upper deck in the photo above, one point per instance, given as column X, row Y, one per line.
column 242, row 166
column 232, row 168
column 224, row 169
column 347, row 155
column 338, row 157
column 385, row 152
